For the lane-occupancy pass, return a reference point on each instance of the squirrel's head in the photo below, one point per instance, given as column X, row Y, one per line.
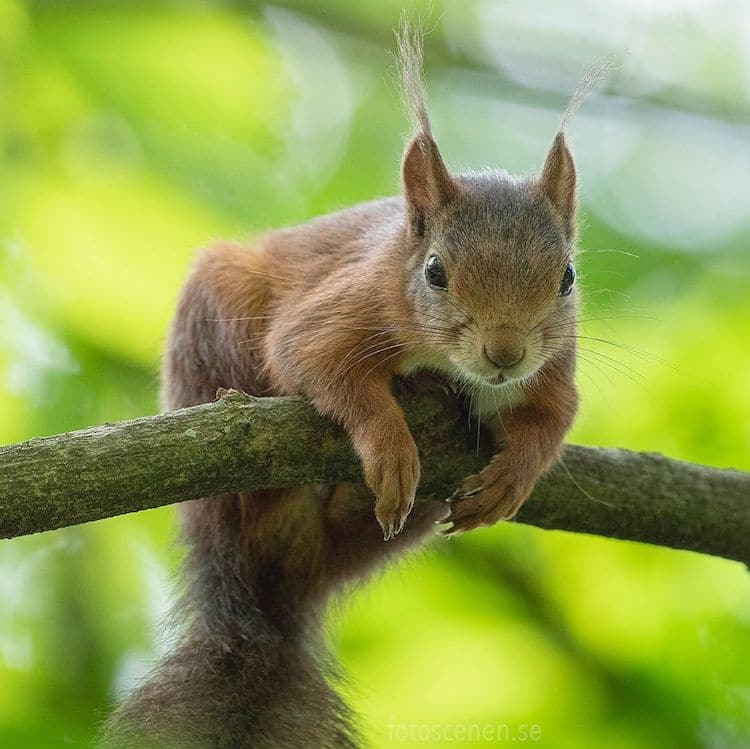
column 492, row 276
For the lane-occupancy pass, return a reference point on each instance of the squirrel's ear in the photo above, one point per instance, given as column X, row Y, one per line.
column 558, row 182
column 427, row 184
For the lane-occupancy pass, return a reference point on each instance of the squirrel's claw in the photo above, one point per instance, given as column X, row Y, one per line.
column 460, row 494
column 481, row 507
column 389, row 528
column 394, row 526
column 450, row 530
column 458, row 523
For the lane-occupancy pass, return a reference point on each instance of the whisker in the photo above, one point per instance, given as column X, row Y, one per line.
column 598, row 318
column 604, row 373
column 583, row 253
column 604, row 271
column 595, row 358
column 380, row 363
column 268, row 275
column 497, row 411
column 355, row 349
column 610, row 292
column 399, row 346
column 632, row 374
column 461, row 324
column 239, row 319
column 624, row 347
column 470, row 320
column 580, row 488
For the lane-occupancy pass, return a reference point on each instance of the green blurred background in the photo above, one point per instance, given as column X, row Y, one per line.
column 133, row 133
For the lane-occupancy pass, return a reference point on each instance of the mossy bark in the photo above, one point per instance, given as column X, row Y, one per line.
column 242, row 442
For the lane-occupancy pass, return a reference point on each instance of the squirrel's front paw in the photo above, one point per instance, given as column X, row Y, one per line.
column 392, row 469
column 495, row 493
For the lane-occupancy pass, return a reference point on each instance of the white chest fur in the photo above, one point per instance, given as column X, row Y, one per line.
column 486, row 401
column 490, row 401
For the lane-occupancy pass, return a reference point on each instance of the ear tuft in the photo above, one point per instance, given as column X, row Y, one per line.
column 558, row 182
column 427, row 184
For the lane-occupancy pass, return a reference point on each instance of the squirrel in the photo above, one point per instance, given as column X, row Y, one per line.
column 469, row 276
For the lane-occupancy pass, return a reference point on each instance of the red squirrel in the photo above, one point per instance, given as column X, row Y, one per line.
column 469, row 276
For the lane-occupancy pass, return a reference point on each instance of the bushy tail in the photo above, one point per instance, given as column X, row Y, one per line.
column 251, row 669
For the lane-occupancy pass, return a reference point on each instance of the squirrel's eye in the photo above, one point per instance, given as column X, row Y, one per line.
column 434, row 272
column 566, row 285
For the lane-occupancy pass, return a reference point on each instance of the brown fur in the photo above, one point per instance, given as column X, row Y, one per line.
column 333, row 310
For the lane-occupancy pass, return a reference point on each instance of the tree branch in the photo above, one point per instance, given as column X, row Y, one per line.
column 241, row 442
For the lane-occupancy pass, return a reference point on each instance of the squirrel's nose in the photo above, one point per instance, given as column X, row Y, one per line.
column 504, row 355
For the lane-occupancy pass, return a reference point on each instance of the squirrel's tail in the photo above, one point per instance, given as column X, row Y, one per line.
column 251, row 669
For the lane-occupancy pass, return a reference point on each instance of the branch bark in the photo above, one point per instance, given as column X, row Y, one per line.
column 240, row 442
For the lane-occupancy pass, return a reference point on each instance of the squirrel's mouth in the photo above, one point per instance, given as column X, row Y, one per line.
column 497, row 379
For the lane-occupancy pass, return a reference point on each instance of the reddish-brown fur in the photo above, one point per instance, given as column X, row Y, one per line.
column 333, row 310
